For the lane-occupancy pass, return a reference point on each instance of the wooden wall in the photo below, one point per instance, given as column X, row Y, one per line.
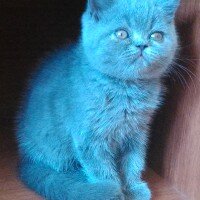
column 175, row 149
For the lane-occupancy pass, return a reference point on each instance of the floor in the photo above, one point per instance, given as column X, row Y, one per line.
column 12, row 189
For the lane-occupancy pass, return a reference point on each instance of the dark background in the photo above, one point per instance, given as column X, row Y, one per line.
column 28, row 31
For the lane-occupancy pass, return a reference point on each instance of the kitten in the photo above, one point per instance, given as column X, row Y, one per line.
column 83, row 129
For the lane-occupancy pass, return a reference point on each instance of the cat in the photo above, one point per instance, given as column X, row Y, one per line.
column 83, row 127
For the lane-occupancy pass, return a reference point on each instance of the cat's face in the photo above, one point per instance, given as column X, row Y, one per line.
column 130, row 39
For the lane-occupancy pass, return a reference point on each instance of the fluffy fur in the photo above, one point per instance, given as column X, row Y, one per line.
column 83, row 128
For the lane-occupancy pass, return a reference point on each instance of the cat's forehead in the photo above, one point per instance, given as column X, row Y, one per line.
column 137, row 9
column 136, row 13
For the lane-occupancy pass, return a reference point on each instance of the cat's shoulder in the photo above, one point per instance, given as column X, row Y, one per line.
column 56, row 67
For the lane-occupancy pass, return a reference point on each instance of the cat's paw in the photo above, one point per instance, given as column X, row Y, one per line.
column 119, row 196
column 98, row 191
column 113, row 192
column 105, row 191
column 140, row 191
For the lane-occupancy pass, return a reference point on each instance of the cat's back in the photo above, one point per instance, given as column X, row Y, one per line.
column 58, row 66
column 48, row 90
column 42, row 121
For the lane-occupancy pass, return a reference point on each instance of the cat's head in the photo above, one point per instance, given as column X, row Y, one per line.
column 130, row 39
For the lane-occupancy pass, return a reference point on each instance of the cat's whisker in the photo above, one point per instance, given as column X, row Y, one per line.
column 128, row 51
column 187, row 60
column 128, row 54
column 190, row 74
column 185, row 69
column 181, row 78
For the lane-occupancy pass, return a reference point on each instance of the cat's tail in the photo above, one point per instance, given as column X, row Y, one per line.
column 73, row 185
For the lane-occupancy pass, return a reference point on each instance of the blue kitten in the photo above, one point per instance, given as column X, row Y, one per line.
column 83, row 129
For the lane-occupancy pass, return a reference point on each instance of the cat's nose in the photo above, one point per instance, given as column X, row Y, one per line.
column 142, row 47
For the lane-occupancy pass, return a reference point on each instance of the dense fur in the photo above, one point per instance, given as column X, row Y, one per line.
column 83, row 129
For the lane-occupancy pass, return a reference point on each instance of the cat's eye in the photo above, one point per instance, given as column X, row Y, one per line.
column 122, row 34
column 157, row 36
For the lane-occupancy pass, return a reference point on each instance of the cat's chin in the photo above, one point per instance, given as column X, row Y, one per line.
column 138, row 70
column 150, row 72
column 146, row 70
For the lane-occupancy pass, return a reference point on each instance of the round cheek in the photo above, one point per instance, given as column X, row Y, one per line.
column 114, row 49
column 154, row 53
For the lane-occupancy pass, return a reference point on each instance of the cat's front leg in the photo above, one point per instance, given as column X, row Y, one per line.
column 97, row 163
column 133, row 163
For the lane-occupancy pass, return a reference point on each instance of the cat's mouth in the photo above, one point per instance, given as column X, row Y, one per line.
column 144, row 66
column 139, row 60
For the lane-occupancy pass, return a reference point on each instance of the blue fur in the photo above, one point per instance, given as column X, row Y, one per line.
column 83, row 128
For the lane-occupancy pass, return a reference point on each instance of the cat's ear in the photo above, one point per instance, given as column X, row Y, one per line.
column 95, row 7
column 169, row 7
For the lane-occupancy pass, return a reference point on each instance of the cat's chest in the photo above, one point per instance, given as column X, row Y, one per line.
column 120, row 113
